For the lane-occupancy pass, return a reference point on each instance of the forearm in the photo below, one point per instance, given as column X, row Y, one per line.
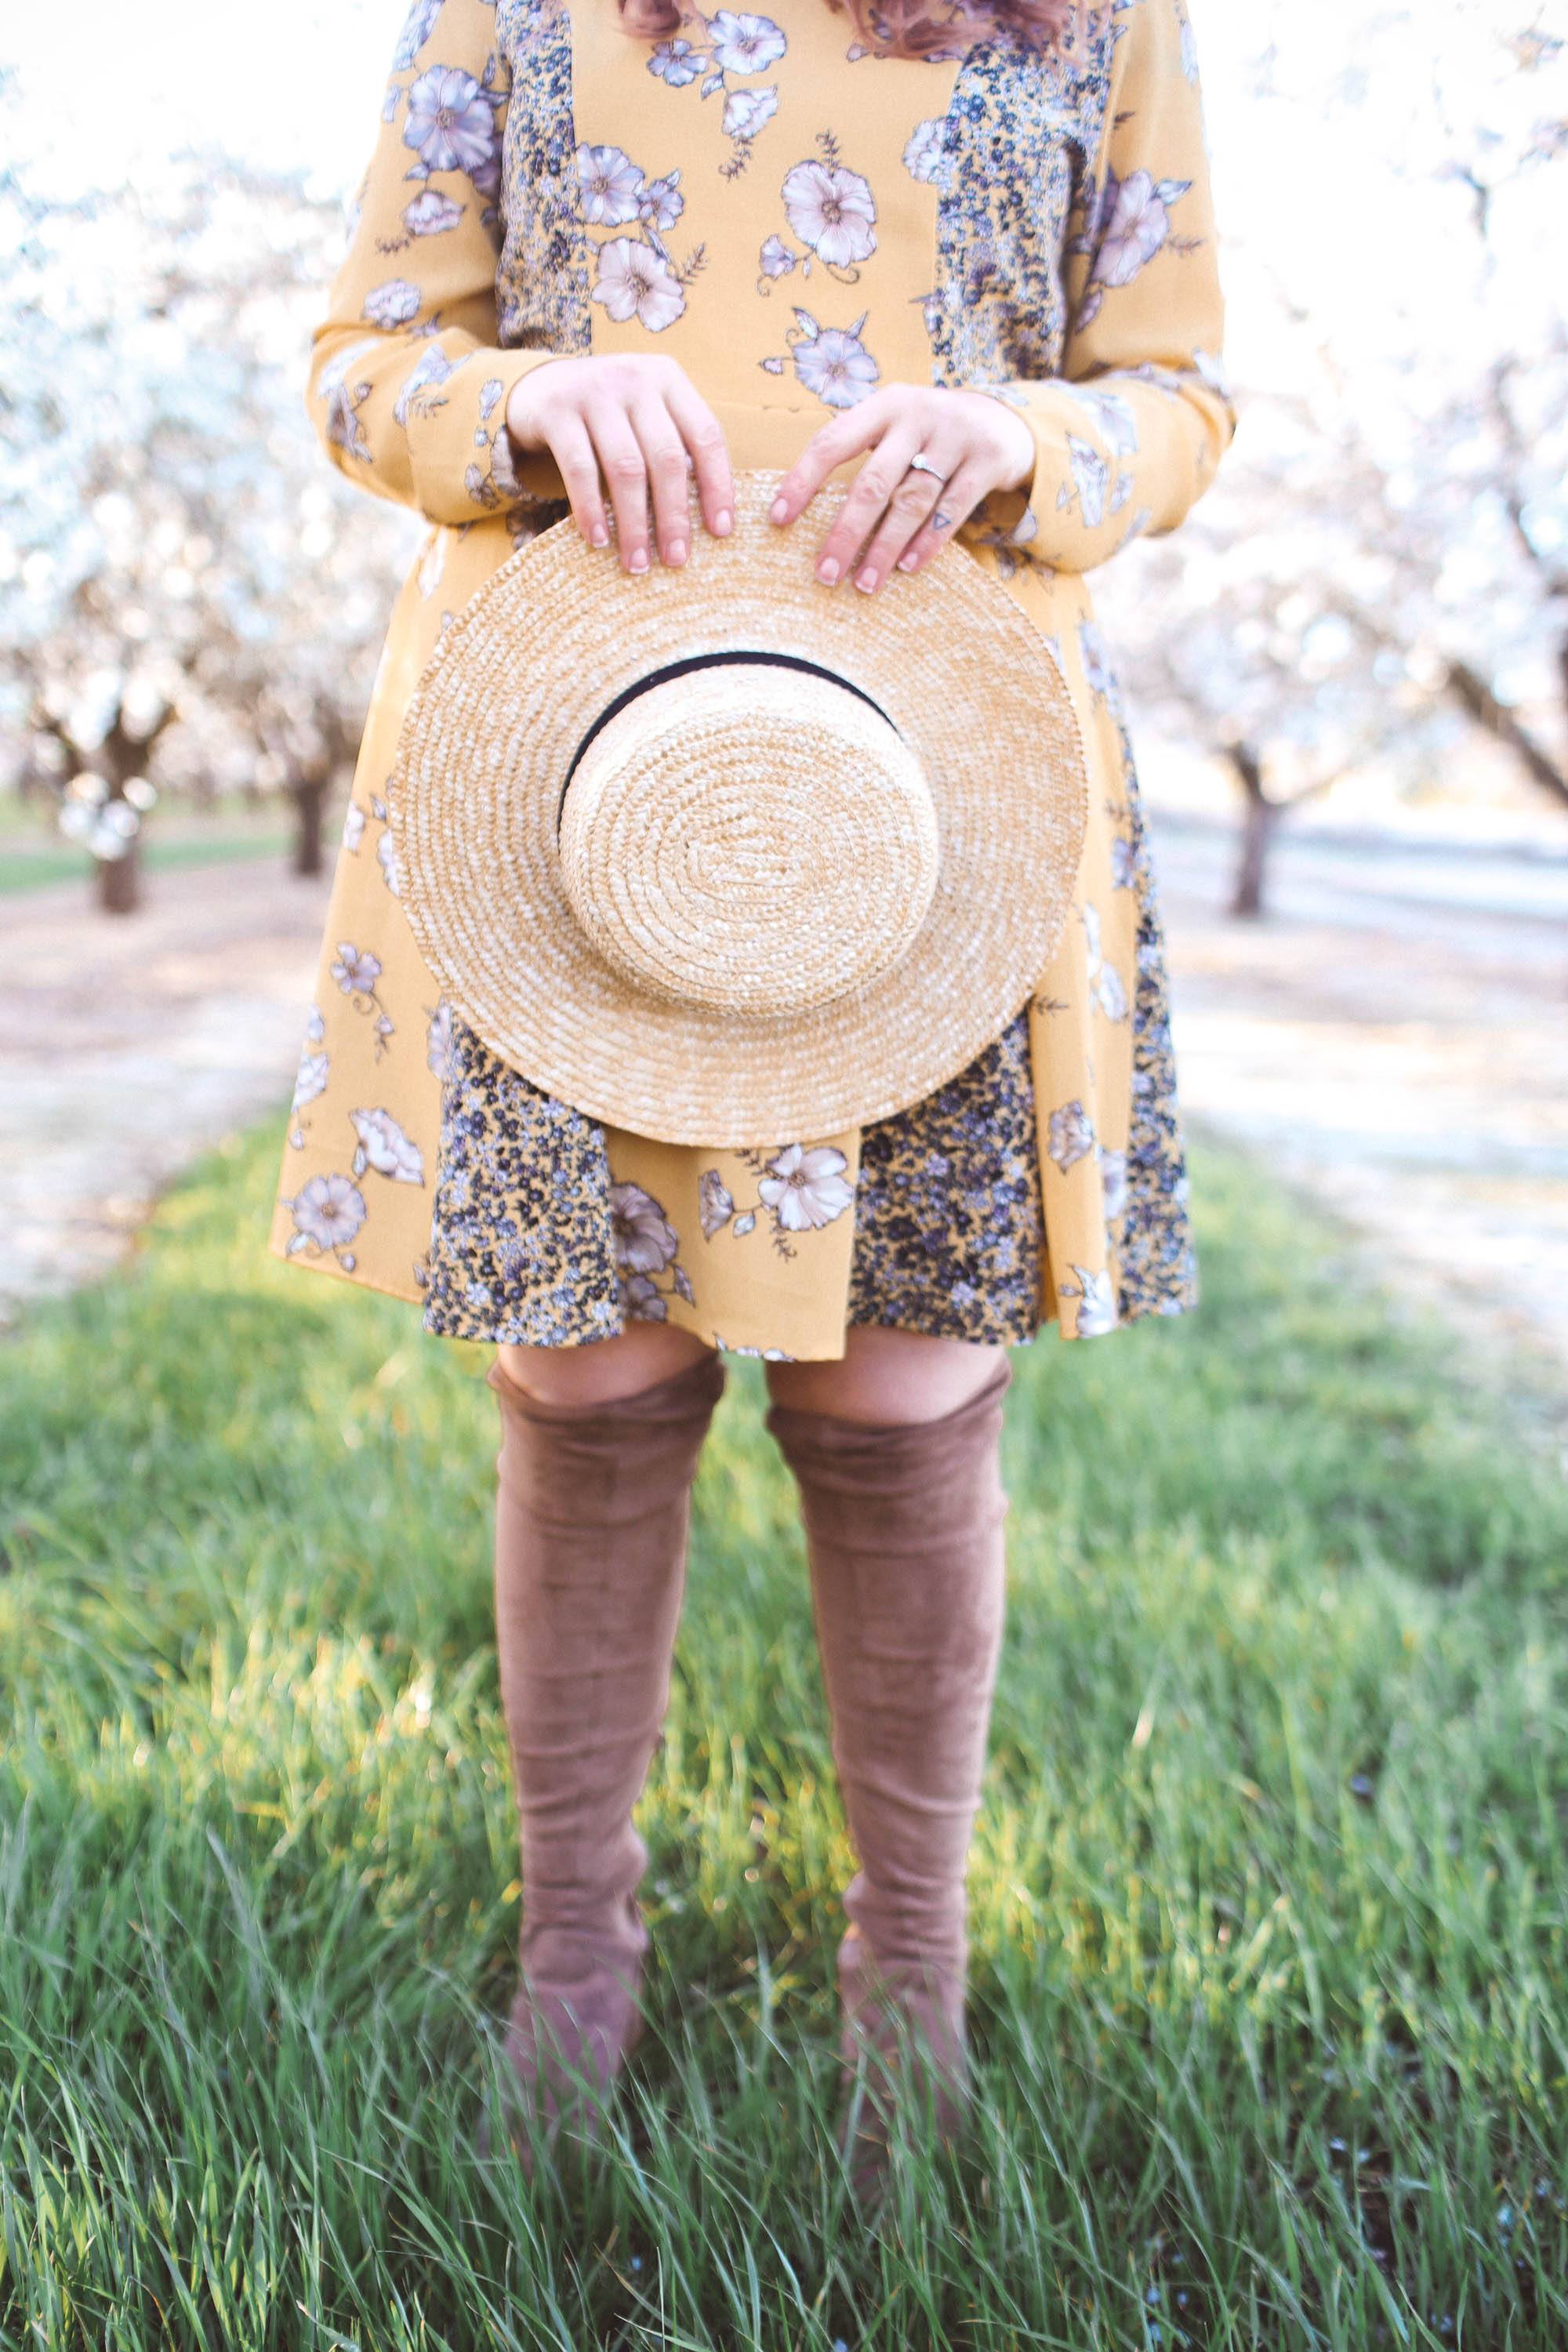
column 1131, row 431
column 422, row 420
column 1124, row 456
column 408, row 383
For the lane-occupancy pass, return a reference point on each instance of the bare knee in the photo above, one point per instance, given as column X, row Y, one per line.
column 887, row 1376
column 603, row 1368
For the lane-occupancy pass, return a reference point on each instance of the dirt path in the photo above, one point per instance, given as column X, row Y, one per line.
column 1394, row 1038
column 129, row 1045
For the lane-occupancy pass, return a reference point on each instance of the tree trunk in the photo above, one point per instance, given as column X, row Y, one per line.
column 122, row 755
column 119, row 882
column 309, row 798
column 1260, row 818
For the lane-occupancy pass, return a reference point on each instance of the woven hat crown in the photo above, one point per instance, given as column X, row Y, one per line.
column 751, row 837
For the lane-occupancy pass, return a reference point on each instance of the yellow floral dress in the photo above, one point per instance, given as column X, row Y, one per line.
column 796, row 219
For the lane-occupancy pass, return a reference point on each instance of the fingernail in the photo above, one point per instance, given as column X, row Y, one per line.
column 867, row 579
column 778, row 511
column 601, row 537
column 677, row 553
column 827, row 572
column 722, row 521
column 639, row 561
column 909, row 561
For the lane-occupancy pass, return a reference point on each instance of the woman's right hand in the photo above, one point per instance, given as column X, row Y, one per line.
column 636, row 429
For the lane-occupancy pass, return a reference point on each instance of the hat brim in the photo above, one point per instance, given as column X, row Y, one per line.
column 553, row 637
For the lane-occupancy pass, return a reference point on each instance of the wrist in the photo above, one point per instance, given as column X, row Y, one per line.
column 520, row 425
column 1022, row 478
column 1020, row 437
column 522, row 411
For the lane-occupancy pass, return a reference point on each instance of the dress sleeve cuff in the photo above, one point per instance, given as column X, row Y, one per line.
column 1039, row 516
column 1106, row 456
column 464, row 463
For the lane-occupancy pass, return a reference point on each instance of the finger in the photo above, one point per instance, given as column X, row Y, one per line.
column 957, row 502
column 842, row 437
column 909, row 509
column 704, row 436
column 669, row 475
column 625, row 471
column 578, row 467
column 862, row 511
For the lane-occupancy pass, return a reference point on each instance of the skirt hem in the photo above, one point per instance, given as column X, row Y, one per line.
column 1139, row 1311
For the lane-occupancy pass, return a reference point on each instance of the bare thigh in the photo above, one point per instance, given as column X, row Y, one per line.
column 887, row 1376
column 635, row 1359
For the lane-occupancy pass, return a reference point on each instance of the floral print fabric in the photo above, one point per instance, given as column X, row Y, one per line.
column 797, row 220
column 535, row 1242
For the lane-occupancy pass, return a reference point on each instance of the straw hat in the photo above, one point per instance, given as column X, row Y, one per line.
column 722, row 858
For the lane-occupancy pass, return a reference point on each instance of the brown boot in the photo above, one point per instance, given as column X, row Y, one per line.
column 904, row 1532
column 592, row 1516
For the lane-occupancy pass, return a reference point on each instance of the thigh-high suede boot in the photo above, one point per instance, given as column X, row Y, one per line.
column 592, row 1516
column 904, row 1529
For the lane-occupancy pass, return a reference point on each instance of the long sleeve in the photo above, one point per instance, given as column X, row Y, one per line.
column 408, row 383
column 1130, row 434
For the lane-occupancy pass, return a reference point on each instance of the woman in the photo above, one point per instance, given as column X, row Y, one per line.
column 965, row 263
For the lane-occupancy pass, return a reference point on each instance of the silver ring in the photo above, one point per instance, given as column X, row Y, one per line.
column 920, row 464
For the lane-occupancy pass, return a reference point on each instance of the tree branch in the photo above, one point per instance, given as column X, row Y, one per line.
column 1473, row 695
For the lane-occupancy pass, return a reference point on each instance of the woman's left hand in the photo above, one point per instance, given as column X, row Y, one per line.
column 974, row 444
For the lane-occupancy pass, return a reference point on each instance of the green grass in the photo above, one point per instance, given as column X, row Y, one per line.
column 1267, row 1895
column 29, row 859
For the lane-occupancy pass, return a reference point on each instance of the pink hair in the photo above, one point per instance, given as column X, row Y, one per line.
column 900, row 28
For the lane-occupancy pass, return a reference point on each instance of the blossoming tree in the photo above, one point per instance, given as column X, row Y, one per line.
column 187, row 601
column 1382, row 566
